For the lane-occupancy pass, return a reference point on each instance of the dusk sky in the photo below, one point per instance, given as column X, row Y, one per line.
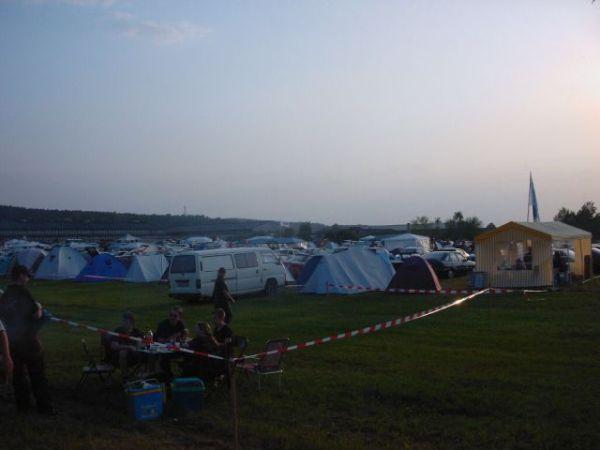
column 368, row 112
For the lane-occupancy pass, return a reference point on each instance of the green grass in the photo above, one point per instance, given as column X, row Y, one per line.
column 497, row 372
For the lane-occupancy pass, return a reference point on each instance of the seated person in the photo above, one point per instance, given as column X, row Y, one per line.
column 171, row 329
column 120, row 351
column 223, row 333
column 197, row 365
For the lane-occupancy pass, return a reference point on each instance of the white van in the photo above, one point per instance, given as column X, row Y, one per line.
column 249, row 270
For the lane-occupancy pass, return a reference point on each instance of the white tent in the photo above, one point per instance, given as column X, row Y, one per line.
column 30, row 258
column 147, row 268
column 345, row 271
column 62, row 263
column 197, row 240
column 408, row 241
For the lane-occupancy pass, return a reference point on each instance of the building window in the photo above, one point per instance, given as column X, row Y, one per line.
column 515, row 255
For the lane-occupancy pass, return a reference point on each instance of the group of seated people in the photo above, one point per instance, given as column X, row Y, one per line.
column 123, row 352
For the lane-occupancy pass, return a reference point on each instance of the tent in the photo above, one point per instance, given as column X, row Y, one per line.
column 6, row 263
column 102, row 267
column 262, row 240
column 147, row 268
column 420, row 244
column 30, row 258
column 62, row 263
column 415, row 273
column 357, row 266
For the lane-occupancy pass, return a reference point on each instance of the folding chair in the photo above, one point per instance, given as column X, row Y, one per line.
column 103, row 370
column 241, row 343
column 268, row 364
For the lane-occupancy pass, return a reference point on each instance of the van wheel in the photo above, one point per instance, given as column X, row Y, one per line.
column 271, row 287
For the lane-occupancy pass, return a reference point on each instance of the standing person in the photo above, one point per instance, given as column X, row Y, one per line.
column 221, row 296
column 5, row 358
column 22, row 317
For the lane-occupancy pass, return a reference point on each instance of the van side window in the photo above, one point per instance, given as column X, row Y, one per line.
column 269, row 258
column 245, row 260
column 213, row 263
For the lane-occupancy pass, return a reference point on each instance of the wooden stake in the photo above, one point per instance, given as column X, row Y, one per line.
column 234, row 406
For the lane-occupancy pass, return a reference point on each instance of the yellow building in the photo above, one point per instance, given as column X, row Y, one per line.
column 520, row 254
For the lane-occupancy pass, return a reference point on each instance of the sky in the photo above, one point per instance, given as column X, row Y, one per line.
column 369, row 112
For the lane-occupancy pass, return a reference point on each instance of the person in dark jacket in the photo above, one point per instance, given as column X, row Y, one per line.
column 221, row 296
column 22, row 317
column 201, row 366
column 6, row 362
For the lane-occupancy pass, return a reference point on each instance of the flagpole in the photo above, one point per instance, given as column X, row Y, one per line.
column 529, row 197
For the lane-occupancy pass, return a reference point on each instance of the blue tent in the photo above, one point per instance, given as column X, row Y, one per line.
column 6, row 263
column 102, row 267
column 351, row 271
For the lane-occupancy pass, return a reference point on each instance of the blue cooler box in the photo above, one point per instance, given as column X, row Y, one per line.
column 145, row 400
column 188, row 393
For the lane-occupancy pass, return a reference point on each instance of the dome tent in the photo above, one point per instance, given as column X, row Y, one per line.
column 6, row 263
column 102, row 267
column 147, row 268
column 30, row 258
column 62, row 263
column 357, row 266
column 415, row 273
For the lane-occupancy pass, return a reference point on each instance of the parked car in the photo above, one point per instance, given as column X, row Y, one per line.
column 449, row 263
column 596, row 260
column 250, row 270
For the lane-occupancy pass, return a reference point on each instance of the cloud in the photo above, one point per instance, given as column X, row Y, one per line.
column 160, row 32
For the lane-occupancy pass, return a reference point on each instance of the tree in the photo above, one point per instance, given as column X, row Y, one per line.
column 420, row 221
column 339, row 234
column 305, row 231
column 587, row 218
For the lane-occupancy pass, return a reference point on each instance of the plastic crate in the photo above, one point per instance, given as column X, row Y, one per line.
column 188, row 394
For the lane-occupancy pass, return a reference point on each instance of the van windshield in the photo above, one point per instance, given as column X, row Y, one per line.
column 183, row 264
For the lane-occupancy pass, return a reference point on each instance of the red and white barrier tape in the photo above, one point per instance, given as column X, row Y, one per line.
column 366, row 330
column 134, row 339
column 420, row 291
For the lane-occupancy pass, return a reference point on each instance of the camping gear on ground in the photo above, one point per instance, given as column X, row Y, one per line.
column 350, row 271
column 102, row 267
column 415, row 273
column 62, row 263
column 145, row 399
column 268, row 364
column 187, row 394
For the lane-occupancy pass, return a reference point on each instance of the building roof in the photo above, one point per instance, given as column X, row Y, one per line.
column 549, row 230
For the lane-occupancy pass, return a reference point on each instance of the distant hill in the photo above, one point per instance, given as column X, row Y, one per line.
column 52, row 223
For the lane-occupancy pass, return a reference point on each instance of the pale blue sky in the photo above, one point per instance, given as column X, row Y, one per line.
column 334, row 111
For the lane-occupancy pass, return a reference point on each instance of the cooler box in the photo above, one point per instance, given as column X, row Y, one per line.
column 478, row 280
column 145, row 400
column 188, row 394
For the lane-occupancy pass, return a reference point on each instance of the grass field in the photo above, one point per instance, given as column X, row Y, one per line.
column 498, row 372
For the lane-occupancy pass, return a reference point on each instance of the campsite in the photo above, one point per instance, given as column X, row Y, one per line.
column 339, row 224
column 500, row 371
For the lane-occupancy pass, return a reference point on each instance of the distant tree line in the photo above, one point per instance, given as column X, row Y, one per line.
column 587, row 218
